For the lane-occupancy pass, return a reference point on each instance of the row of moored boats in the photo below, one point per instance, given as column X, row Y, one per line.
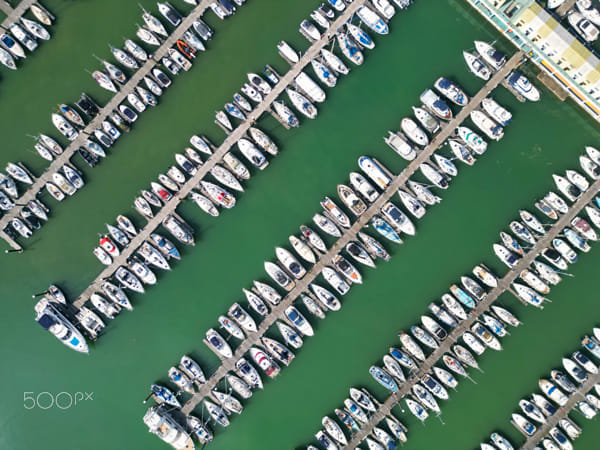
column 23, row 35
column 557, row 389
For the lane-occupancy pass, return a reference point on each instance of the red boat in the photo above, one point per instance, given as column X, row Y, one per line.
column 186, row 49
column 109, row 246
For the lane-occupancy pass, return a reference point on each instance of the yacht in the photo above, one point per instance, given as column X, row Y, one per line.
column 531, row 221
column 12, row 46
column 372, row 20
column 473, row 287
column 464, row 355
column 473, row 343
column 263, row 141
column 411, row 203
column 313, row 238
column 218, row 195
column 225, row 177
column 397, row 218
column 278, row 350
column 334, row 430
column 298, row 320
column 586, row 29
column 181, row 380
column 326, row 225
column 487, row 125
column 416, row 409
column 161, row 423
column 356, row 411
column 347, row 269
column 522, row 232
column 454, row 306
column 249, row 374
column 51, row 319
column 385, row 229
column 288, row 52
column 497, row 112
column 593, row 214
column 252, row 93
column 585, row 362
column 117, row 295
column 242, row 318
column 334, row 62
column 335, row 280
column 493, row 57
column 334, row 211
column 349, row 48
column 434, row 387
column 23, row 37
column 374, row 171
column 222, row 119
column 129, row 280
column 453, row 364
column 308, row 29
column 169, row 13
column 268, row 366
column 366, row 190
column 301, row 103
column 476, row 66
column 409, row 344
column 424, row 337
column 552, row 392
column 373, row 246
column 291, row 264
column 425, row 398
column 324, row 439
column 286, row 114
column 347, row 420
column 326, row 298
column 302, row 249
column 360, row 36
column 142, row 272
column 309, row 87
column 385, row 8
column 165, row 246
column 590, row 167
column 442, row 315
column 41, row 14
column 461, row 152
column 485, row 276
column 563, row 381
column 292, row 338
column 152, row 256
column 239, row 386
column 383, row 378
column 472, row 139
column 486, row 337
column 324, row 73
column 569, row 190
column 216, row 413
column 534, row 281
column 109, row 309
column 523, row 86
column 180, row 230
column 242, row 102
column 505, row 255
column 235, row 165
column 218, row 344
column 436, row 105
column 532, row 411
column 576, row 241
column 565, row 250
column 451, row 91
column 103, row 256
column 544, row 207
column 400, row 146
column 528, row 295
column 351, row 200
column 506, row 316
column 430, row 123
column 393, row 368
column 256, row 302
column 523, row 424
column 259, row 83
column 461, row 295
column 578, row 180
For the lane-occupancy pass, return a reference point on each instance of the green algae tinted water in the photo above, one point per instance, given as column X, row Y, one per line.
column 138, row 348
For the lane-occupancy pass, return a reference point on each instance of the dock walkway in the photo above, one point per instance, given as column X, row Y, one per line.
column 563, row 412
column 36, row 188
column 483, row 306
column 277, row 312
column 13, row 14
column 215, row 158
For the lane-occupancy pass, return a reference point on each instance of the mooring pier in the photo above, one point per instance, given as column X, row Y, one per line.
column 503, row 285
column 277, row 312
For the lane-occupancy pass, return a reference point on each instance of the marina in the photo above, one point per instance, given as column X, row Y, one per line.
column 172, row 316
column 302, row 284
column 96, row 122
column 503, row 284
column 217, row 156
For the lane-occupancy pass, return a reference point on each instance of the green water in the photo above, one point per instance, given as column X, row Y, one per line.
column 171, row 318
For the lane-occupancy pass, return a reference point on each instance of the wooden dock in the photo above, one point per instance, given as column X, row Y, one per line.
column 562, row 413
column 36, row 188
column 483, row 306
column 217, row 156
column 13, row 14
column 277, row 312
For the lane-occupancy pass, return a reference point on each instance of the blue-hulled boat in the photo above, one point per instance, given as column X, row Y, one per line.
column 383, row 378
column 462, row 296
column 385, row 229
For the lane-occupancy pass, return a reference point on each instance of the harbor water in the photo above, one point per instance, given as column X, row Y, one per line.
column 137, row 349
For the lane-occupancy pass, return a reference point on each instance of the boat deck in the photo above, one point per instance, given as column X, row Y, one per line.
column 483, row 306
column 38, row 186
column 217, row 156
column 277, row 312
column 563, row 412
